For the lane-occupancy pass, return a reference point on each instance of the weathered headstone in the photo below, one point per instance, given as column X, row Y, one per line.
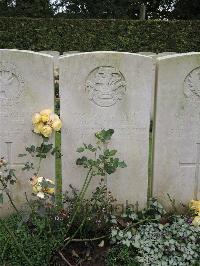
column 102, row 90
column 70, row 52
column 56, row 56
column 177, row 129
column 147, row 53
column 155, row 56
column 26, row 87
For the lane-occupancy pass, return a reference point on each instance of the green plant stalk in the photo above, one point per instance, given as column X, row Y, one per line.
column 9, row 197
column 16, row 242
column 40, row 160
column 140, row 222
column 81, row 196
column 81, row 225
column 83, row 187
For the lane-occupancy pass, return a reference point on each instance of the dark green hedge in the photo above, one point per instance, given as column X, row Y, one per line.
column 89, row 35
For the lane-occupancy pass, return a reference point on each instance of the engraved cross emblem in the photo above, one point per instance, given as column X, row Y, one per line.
column 197, row 170
column 9, row 156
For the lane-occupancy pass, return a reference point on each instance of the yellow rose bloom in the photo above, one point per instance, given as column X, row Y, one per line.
column 36, row 118
column 46, row 131
column 196, row 221
column 38, row 128
column 46, row 112
column 40, row 195
column 54, row 117
column 195, row 205
column 37, row 188
column 50, row 191
column 36, row 182
column 57, row 124
column 45, row 118
column 45, row 115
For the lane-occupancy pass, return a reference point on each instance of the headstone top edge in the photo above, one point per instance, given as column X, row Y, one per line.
column 63, row 57
column 15, row 51
column 177, row 56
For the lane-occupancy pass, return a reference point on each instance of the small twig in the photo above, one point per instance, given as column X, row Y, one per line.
column 87, row 239
column 62, row 256
column 140, row 222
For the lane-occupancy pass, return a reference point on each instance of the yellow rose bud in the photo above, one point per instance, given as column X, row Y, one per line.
column 38, row 128
column 46, row 131
column 46, row 112
column 57, row 124
column 196, row 221
column 36, row 118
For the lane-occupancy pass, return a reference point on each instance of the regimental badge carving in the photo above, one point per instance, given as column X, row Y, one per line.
column 11, row 82
column 106, row 86
column 192, row 84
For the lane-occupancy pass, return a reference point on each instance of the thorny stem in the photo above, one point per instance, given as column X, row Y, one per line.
column 9, row 197
column 81, row 196
column 40, row 160
column 81, row 225
column 88, row 239
column 140, row 222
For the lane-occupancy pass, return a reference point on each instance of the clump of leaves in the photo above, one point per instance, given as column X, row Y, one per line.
column 103, row 160
column 157, row 239
column 121, row 255
column 96, row 211
column 30, row 243
column 41, row 152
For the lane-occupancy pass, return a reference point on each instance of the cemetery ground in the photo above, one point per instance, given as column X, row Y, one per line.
column 98, row 233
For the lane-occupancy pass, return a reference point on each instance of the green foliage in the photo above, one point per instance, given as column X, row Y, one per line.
column 121, row 255
column 103, row 9
column 26, row 8
column 7, row 178
column 154, row 238
column 93, row 35
column 103, row 161
column 96, row 211
column 34, row 238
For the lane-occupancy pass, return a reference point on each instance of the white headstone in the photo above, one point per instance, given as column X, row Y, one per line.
column 177, row 129
column 155, row 56
column 147, row 53
column 26, row 87
column 56, row 56
column 102, row 90
column 70, row 52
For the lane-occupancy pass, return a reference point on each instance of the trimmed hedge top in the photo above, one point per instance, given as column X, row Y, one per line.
column 92, row 35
